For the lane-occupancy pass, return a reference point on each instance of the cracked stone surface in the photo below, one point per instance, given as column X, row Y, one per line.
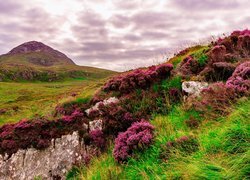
column 49, row 163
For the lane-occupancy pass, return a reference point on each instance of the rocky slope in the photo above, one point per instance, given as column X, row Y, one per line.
column 36, row 61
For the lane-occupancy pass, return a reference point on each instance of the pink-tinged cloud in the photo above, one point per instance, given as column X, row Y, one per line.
column 118, row 35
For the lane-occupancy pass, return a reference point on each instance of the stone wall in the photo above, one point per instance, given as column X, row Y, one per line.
column 51, row 163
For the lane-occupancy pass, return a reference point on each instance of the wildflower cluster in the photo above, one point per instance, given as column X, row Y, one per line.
column 137, row 137
column 240, row 80
column 140, row 78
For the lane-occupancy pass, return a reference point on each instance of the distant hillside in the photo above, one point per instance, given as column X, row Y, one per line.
column 36, row 61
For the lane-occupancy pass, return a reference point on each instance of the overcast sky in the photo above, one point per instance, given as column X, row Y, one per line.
column 118, row 34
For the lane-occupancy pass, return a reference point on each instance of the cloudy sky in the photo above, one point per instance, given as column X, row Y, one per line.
column 118, row 34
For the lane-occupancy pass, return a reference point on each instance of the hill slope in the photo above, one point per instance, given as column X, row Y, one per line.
column 37, row 61
column 187, row 118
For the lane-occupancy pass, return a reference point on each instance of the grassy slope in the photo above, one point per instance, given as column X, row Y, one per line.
column 221, row 142
column 20, row 63
column 33, row 98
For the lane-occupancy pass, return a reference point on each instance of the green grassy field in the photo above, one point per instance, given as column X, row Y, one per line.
column 223, row 150
column 27, row 99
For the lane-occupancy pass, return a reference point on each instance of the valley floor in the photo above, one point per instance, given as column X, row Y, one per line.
column 19, row 100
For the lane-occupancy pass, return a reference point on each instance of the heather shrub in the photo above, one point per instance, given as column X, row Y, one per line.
column 139, row 78
column 171, row 90
column 188, row 66
column 38, row 132
column 237, row 44
column 213, row 100
column 114, row 116
column 240, row 80
column 217, row 53
column 68, row 108
column 145, row 103
column 138, row 137
column 98, row 138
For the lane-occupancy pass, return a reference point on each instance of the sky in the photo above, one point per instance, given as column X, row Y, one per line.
column 119, row 34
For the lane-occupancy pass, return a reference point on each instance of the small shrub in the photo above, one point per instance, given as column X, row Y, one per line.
column 39, row 132
column 98, row 138
column 213, row 100
column 137, row 137
column 138, row 79
column 240, row 80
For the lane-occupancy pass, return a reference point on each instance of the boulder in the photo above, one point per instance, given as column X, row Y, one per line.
column 193, row 87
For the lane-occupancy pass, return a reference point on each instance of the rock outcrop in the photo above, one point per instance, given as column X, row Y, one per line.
column 52, row 163
column 193, row 87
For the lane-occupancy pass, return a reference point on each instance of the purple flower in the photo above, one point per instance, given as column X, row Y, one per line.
column 138, row 136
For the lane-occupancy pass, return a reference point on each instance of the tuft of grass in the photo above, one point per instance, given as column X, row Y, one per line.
column 200, row 56
column 174, row 82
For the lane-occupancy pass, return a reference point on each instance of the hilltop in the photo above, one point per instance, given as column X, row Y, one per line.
column 35, row 61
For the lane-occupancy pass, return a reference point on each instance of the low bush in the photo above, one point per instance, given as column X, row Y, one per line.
column 38, row 132
column 213, row 100
column 98, row 138
column 240, row 80
column 140, row 78
column 138, row 137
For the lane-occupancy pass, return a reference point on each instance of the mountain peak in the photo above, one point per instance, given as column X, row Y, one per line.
column 31, row 46
column 39, row 47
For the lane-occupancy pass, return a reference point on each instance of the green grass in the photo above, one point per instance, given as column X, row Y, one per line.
column 223, row 150
column 27, row 99
column 196, row 51
column 200, row 56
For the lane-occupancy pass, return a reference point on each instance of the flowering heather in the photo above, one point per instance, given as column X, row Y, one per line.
column 189, row 66
column 238, row 43
column 241, row 33
column 140, row 78
column 98, row 138
column 137, row 137
column 94, row 111
column 214, row 99
column 39, row 132
column 74, row 116
column 240, row 80
column 116, row 119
